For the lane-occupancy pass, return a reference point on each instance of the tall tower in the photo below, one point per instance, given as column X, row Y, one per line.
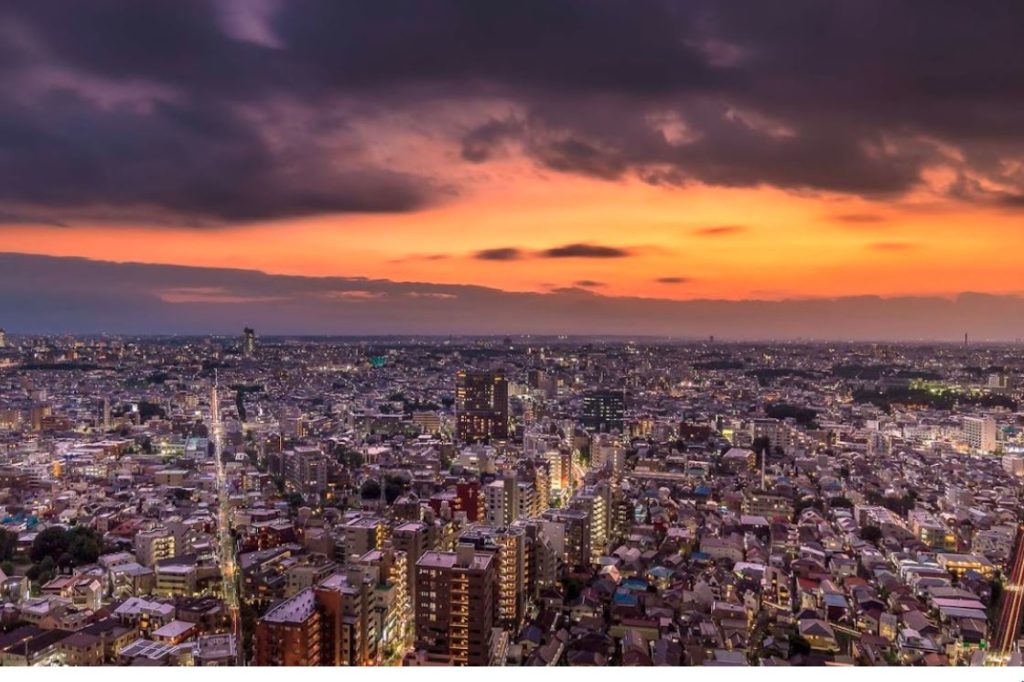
column 248, row 342
column 3, row 338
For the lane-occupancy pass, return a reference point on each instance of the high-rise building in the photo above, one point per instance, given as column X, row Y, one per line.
column 248, row 342
column 388, row 569
column 775, row 430
column 980, row 433
column 540, row 557
column 603, row 410
column 509, row 547
column 3, row 339
column 413, row 538
column 607, row 454
column 289, row 634
column 349, row 619
column 454, row 613
column 595, row 501
column 38, row 414
column 502, row 500
column 481, row 406
column 305, row 468
column 576, row 535
column 106, row 414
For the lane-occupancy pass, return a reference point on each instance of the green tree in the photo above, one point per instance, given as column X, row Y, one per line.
column 871, row 534
column 67, row 548
column 8, row 543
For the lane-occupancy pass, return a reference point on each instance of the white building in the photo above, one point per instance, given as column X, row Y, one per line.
column 980, row 433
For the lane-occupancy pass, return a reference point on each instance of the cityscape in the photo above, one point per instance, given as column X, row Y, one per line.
column 420, row 336
column 522, row 501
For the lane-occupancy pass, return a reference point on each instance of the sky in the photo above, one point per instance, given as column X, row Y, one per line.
column 608, row 152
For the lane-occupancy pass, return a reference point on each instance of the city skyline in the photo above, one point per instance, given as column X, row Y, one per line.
column 677, row 151
column 519, row 334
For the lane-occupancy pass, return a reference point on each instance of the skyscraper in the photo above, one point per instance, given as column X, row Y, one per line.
column 481, row 406
column 248, row 342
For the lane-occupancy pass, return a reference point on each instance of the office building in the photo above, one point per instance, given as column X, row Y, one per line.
column 603, row 410
column 980, row 433
column 305, row 468
column 481, row 406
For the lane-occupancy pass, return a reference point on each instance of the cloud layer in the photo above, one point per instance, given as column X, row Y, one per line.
column 41, row 294
column 215, row 112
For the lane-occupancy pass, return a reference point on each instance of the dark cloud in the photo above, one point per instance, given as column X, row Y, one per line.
column 41, row 294
column 584, row 251
column 198, row 162
column 579, row 250
column 483, row 142
column 588, row 283
column 857, row 218
column 7, row 218
column 575, row 291
column 720, row 230
column 504, row 253
column 672, row 280
column 166, row 108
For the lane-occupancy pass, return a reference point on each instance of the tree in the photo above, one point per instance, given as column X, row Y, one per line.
column 51, row 542
column 761, row 445
column 573, row 587
column 871, row 534
column 806, row 503
column 67, row 548
column 43, row 572
column 370, row 490
column 799, row 645
column 394, row 487
column 350, row 459
column 8, row 543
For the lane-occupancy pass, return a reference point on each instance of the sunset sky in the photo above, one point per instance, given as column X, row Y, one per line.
column 679, row 150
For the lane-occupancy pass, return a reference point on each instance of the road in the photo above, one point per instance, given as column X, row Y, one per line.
column 225, row 542
column 1012, row 606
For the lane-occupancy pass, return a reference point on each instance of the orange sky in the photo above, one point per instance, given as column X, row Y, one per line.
column 772, row 244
